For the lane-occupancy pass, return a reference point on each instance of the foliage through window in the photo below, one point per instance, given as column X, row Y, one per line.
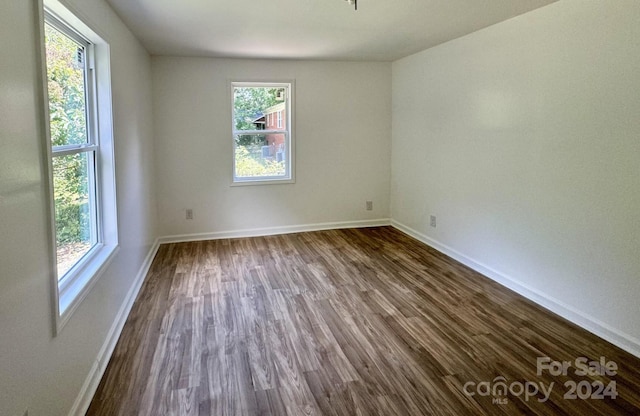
column 262, row 132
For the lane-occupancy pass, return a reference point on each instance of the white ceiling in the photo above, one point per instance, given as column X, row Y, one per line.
column 381, row 30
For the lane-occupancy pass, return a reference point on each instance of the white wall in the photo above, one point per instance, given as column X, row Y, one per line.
column 37, row 371
column 521, row 138
column 342, row 136
column 524, row 140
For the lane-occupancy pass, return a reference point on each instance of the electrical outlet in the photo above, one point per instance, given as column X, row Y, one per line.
column 432, row 221
column 189, row 214
column 369, row 205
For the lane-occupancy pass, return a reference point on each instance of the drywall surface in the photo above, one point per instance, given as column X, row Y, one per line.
column 342, row 140
column 523, row 140
column 38, row 371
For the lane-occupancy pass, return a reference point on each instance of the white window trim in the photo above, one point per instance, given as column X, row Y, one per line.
column 69, row 292
column 289, row 132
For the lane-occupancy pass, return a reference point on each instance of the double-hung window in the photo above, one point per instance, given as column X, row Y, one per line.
column 262, row 119
column 81, row 155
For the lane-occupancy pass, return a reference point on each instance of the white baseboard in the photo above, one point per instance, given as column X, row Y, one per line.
column 259, row 232
column 591, row 324
column 82, row 402
column 580, row 318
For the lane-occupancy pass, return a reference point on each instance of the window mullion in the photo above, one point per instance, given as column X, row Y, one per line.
column 258, row 132
column 70, row 150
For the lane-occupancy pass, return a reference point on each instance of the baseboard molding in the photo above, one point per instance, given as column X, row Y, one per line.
column 591, row 324
column 90, row 385
column 580, row 318
column 288, row 229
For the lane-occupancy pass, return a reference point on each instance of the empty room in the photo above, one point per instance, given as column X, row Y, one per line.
column 319, row 207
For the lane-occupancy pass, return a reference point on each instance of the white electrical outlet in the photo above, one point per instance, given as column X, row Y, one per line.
column 189, row 214
column 369, row 205
column 432, row 221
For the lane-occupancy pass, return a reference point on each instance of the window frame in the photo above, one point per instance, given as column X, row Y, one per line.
column 70, row 289
column 90, row 148
column 287, row 130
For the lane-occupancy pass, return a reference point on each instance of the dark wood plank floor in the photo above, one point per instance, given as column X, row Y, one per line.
column 344, row 322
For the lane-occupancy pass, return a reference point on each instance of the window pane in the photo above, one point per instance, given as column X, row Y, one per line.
column 66, row 86
column 256, row 108
column 74, row 208
column 260, row 155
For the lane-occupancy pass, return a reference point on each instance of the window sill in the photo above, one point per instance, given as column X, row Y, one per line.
column 250, row 182
column 81, row 280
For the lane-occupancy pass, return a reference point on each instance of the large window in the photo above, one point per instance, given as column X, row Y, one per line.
column 262, row 138
column 80, row 143
column 73, row 145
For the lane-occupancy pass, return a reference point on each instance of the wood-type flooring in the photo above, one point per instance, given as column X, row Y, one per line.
column 346, row 322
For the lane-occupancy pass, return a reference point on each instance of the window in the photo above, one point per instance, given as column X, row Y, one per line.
column 263, row 148
column 73, row 148
column 81, row 148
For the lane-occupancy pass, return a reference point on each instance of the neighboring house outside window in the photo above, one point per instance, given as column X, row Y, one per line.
column 276, row 142
column 262, row 134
